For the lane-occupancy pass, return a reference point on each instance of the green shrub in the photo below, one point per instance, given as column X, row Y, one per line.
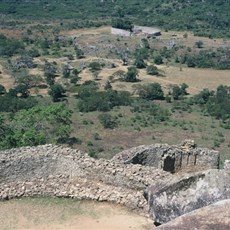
column 108, row 121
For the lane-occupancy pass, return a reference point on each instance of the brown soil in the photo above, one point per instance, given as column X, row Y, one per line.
column 11, row 33
column 66, row 214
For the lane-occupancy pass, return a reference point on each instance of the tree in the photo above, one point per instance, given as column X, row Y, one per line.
column 108, row 86
column 218, row 105
column 176, row 92
column 66, row 71
column 202, row 97
column 199, row 44
column 79, row 53
column 145, row 43
column 56, row 92
column 12, row 103
column 35, row 126
column 139, row 63
column 122, row 24
column 152, row 70
column 22, row 91
column 158, row 60
column 87, row 89
column 107, row 120
column 94, row 66
column 131, row 75
column 50, row 72
column 179, row 91
column 28, row 80
column 183, row 88
column 151, row 91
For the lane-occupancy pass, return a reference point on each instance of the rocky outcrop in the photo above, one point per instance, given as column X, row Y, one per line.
column 59, row 171
column 215, row 216
column 181, row 194
column 171, row 158
column 227, row 165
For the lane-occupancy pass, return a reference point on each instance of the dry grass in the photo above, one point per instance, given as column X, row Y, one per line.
column 5, row 79
column 11, row 33
column 196, row 79
column 88, row 31
column 191, row 39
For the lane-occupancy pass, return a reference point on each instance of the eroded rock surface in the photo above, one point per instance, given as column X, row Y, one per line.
column 181, row 194
column 215, row 216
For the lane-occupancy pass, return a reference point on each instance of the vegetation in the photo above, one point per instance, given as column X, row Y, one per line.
column 151, row 91
column 206, row 18
column 35, row 126
column 107, row 83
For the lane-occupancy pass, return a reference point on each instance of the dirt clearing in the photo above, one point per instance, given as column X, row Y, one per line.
column 68, row 214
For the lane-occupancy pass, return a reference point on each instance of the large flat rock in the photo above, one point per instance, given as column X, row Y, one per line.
column 215, row 216
column 181, row 194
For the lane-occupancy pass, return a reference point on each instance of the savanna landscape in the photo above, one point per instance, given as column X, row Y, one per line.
column 66, row 79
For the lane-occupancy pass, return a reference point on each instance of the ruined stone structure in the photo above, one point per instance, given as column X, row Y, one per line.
column 139, row 178
column 59, row 171
column 171, row 158
column 120, row 32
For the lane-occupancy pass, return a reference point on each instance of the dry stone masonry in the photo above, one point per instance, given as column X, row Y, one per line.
column 171, row 158
column 50, row 170
column 160, row 180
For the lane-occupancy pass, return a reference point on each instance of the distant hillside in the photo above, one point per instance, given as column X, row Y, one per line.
column 204, row 17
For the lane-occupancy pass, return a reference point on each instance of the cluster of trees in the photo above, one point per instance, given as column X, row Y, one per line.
column 215, row 103
column 208, row 59
column 10, row 46
column 122, row 24
column 206, row 18
column 35, row 126
column 93, row 100
column 16, row 99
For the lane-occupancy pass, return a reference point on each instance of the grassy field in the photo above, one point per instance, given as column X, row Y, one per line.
column 132, row 131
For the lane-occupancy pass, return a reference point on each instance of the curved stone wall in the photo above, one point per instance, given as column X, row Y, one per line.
column 51, row 170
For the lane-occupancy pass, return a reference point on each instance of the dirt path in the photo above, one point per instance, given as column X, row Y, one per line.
column 67, row 214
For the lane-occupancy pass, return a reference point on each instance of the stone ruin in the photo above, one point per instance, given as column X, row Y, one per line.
column 172, row 158
column 159, row 180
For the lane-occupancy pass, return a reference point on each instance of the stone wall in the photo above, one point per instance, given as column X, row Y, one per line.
column 59, row 171
column 171, row 158
column 133, row 178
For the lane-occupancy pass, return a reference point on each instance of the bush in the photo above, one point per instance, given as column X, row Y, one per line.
column 56, row 92
column 107, row 120
column 131, row 75
column 179, row 91
column 94, row 66
column 122, row 24
column 152, row 70
column 158, row 60
column 151, row 91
